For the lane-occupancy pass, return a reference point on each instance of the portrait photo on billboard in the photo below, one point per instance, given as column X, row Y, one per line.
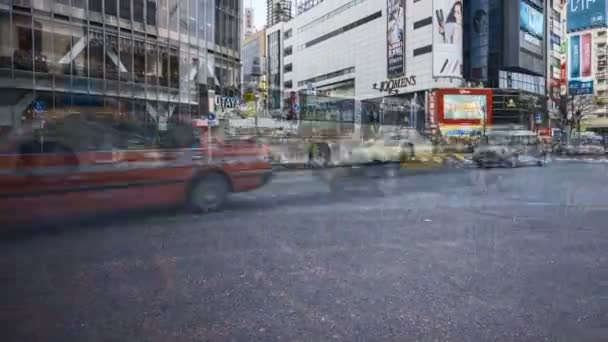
column 586, row 14
column 447, row 38
column 395, row 38
column 479, row 38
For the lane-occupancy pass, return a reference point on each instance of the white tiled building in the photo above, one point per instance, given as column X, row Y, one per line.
column 339, row 49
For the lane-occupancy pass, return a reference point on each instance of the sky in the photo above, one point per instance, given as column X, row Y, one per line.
column 259, row 11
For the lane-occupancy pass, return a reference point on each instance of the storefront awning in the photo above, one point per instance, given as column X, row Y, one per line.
column 597, row 123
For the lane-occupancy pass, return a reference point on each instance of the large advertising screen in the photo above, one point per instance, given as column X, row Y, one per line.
column 447, row 38
column 531, row 20
column 580, row 80
column 584, row 14
column 464, row 107
column 395, row 38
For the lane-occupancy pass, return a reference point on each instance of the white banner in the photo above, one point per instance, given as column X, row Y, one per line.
column 447, row 38
column 395, row 37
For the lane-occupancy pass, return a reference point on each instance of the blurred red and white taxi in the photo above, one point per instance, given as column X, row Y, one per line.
column 89, row 165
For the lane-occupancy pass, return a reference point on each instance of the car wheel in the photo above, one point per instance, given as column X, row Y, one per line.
column 208, row 193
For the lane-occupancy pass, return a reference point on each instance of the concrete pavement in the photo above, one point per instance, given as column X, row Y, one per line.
column 476, row 255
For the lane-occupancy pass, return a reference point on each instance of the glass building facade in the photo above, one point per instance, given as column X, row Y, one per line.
column 152, row 60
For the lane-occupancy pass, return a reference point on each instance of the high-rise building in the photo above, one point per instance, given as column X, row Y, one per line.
column 254, row 60
column 278, row 11
column 505, row 49
column 362, row 60
column 587, row 23
column 556, row 59
column 152, row 61
column 248, row 26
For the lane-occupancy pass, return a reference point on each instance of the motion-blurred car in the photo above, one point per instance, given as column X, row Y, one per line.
column 406, row 147
column 578, row 147
column 509, row 148
column 81, row 166
column 402, row 150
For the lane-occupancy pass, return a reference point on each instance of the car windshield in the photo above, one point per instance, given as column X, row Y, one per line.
column 304, row 170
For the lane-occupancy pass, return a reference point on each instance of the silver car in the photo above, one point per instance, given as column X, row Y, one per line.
column 512, row 148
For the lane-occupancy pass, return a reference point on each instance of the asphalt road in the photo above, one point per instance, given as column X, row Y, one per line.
column 472, row 255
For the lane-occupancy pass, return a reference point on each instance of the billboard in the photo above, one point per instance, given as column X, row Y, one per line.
column 531, row 20
column 395, row 38
column 464, row 106
column 580, row 81
column 584, row 14
column 447, row 38
column 478, row 10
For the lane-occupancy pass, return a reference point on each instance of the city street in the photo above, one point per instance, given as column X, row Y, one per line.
column 466, row 255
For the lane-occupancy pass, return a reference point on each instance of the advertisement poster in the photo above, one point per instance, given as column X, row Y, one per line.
column 531, row 20
column 585, row 14
column 580, row 71
column 447, row 38
column 464, row 107
column 395, row 38
column 586, row 55
column 575, row 56
column 479, row 38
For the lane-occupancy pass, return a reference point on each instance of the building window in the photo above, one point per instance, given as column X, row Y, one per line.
column 288, row 84
column 288, row 51
column 125, row 9
column 423, row 50
column 343, row 29
column 95, row 5
column 288, row 67
column 138, row 11
column 422, row 23
column 288, row 34
column 327, row 76
column 110, row 7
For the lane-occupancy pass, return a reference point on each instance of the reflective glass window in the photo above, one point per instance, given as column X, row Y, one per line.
column 126, row 58
column 6, row 48
column 173, row 13
column 111, row 7
column 151, row 12
column 22, row 36
column 163, row 11
column 152, row 62
column 96, row 55
column 164, row 66
column 139, row 61
column 138, row 11
column 43, row 45
column 95, row 5
column 111, row 56
column 173, row 68
column 125, row 9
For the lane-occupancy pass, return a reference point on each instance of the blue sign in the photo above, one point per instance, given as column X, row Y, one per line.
column 538, row 118
column 580, row 87
column 575, row 56
column 39, row 106
column 531, row 20
column 583, row 14
column 556, row 40
column 210, row 116
column 296, row 108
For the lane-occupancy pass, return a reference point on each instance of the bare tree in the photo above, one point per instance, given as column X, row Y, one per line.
column 573, row 109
